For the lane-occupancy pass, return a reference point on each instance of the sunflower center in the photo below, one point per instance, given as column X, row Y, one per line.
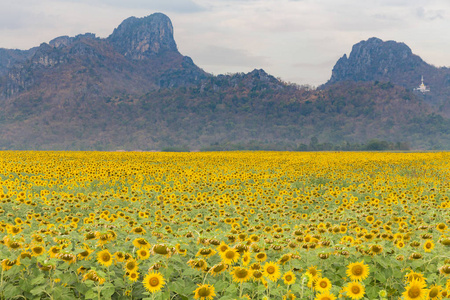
column 414, row 292
column 106, row 257
column 288, row 277
column 257, row 274
column 14, row 245
column 433, row 292
column 218, row 268
column 357, row 270
column 161, row 249
column 270, row 269
column 130, row 265
column 356, row 289
column 428, row 245
column 325, row 298
column 323, row 284
column 241, row 273
column 204, row 292
column 154, row 281
column 229, row 254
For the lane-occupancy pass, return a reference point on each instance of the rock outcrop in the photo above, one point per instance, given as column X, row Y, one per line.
column 376, row 60
column 390, row 61
column 139, row 38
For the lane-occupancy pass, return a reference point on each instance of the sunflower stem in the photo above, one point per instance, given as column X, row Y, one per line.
column 240, row 291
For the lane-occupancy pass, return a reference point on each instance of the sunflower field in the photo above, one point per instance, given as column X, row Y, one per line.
column 225, row 225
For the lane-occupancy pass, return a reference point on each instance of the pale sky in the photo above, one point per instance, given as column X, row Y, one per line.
column 296, row 40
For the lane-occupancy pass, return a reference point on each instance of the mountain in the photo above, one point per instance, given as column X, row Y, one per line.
column 139, row 56
column 134, row 90
column 376, row 60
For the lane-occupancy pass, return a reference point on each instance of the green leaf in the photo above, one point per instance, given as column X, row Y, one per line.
column 38, row 290
column 91, row 294
column 221, row 285
column 25, row 285
column 11, row 291
column 108, row 291
column 380, row 277
column 38, row 280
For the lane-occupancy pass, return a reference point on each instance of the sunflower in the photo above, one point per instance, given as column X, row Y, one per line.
column 323, row 285
column 180, row 251
column 14, row 245
column 81, row 270
column 434, row 293
column 241, row 274
column 85, row 254
column 161, row 249
column 415, row 290
column 271, row 271
column 8, row 264
column 143, row 253
column 445, row 270
column 198, row 264
column 284, row 259
column 289, row 278
column 313, row 271
column 104, row 258
column 141, row 243
column 119, row 256
column 325, row 296
column 54, row 251
column 257, row 275
column 428, row 246
column 133, row 276
column 68, row 257
column 441, row 227
column 204, row 292
column 261, row 256
column 288, row 296
column 37, row 250
column 222, row 247
column 138, row 230
column 217, row 269
column 246, row 259
column 355, row 290
column 414, row 276
column 205, row 252
column 376, row 249
column 93, row 276
column 229, row 256
column 153, row 282
column 357, row 271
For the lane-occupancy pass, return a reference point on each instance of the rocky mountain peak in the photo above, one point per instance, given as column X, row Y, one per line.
column 375, row 59
column 138, row 38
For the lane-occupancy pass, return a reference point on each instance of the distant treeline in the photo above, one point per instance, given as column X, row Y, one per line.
column 314, row 145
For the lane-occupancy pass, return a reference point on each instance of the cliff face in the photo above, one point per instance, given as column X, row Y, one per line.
column 377, row 60
column 139, row 56
column 141, row 38
column 374, row 60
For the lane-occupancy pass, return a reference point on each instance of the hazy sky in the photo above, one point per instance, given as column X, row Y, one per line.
column 296, row 40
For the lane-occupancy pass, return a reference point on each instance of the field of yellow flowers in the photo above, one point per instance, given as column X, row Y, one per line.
column 227, row 225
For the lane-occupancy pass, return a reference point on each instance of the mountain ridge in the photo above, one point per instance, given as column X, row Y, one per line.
column 134, row 90
column 377, row 60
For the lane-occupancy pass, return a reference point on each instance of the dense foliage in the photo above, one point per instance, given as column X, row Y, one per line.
column 227, row 225
column 225, row 110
